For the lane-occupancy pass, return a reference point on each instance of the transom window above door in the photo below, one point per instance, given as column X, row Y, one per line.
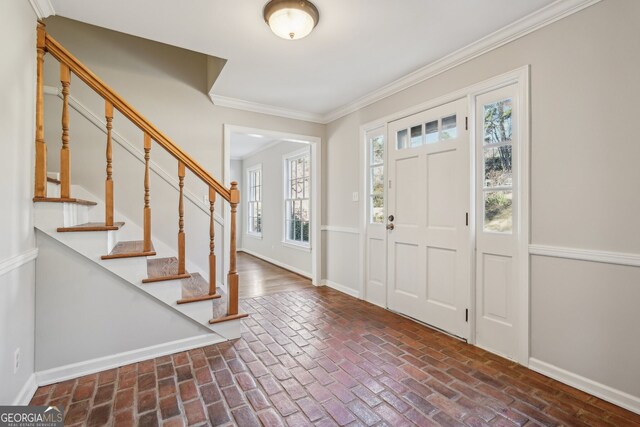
column 430, row 132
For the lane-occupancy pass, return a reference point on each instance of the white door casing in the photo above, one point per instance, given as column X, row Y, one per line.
column 428, row 188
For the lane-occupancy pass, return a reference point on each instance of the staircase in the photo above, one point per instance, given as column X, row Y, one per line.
column 92, row 226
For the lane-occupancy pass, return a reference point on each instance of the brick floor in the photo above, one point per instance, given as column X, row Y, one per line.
column 319, row 357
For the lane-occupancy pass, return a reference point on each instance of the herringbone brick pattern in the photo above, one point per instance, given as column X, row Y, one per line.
column 319, row 357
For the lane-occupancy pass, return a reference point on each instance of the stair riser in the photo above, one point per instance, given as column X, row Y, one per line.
column 53, row 190
column 50, row 216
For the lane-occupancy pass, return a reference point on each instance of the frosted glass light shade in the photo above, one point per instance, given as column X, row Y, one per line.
column 291, row 19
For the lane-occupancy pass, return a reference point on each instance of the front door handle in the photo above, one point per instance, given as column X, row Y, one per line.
column 390, row 227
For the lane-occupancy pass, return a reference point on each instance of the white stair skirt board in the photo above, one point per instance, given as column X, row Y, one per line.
column 602, row 391
column 278, row 263
column 92, row 245
column 76, row 370
column 342, row 288
column 27, row 392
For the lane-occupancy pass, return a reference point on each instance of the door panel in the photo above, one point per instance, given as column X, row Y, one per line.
column 429, row 195
column 376, row 236
column 497, row 226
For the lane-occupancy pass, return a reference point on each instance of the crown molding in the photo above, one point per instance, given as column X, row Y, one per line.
column 42, row 8
column 239, row 104
column 539, row 19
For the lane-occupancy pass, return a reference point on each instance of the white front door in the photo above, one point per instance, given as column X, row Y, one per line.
column 428, row 188
column 376, row 236
column 497, row 181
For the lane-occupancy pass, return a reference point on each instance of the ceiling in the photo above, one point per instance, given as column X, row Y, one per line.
column 358, row 46
column 244, row 144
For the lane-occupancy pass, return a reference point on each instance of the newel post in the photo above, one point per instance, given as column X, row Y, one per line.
column 232, row 278
column 40, row 188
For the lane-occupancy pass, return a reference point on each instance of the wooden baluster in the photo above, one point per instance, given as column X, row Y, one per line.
column 212, row 245
column 181, row 248
column 147, row 208
column 65, row 165
column 232, row 278
column 40, row 187
column 108, row 184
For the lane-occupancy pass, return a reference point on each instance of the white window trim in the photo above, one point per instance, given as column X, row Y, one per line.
column 285, row 174
column 254, row 168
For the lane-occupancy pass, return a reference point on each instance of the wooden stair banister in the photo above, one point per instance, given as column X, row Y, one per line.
column 40, row 187
column 65, row 155
column 108, row 184
column 70, row 64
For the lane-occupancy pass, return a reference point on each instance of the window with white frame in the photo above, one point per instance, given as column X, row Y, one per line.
column 254, row 200
column 297, row 195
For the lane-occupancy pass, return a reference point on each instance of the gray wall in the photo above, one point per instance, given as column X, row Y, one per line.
column 84, row 312
column 584, row 182
column 270, row 245
column 17, row 121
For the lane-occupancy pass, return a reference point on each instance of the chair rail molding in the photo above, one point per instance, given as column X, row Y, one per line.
column 17, row 261
column 337, row 229
column 100, row 123
column 618, row 258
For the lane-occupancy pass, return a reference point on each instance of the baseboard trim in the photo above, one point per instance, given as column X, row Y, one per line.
column 277, row 263
column 342, row 288
column 92, row 366
column 17, row 261
column 618, row 258
column 597, row 389
column 26, row 393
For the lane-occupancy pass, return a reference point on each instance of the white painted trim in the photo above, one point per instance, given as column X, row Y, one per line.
column 42, row 8
column 99, row 123
column 342, row 288
column 337, row 229
column 316, row 185
column 618, row 258
column 239, row 104
column 87, row 367
column 298, row 247
column 602, row 391
column 539, row 19
column 278, row 263
column 532, row 22
column 17, row 261
column 26, row 393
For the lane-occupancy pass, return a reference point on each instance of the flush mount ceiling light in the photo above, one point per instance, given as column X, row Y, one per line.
column 291, row 19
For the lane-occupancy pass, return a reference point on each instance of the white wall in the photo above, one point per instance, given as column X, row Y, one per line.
column 83, row 312
column 270, row 244
column 584, row 183
column 168, row 86
column 17, row 121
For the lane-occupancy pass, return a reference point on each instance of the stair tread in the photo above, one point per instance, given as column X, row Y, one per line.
column 53, row 180
column 159, row 269
column 92, row 226
column 197, row 286
column 129, row 249
column 64, row 200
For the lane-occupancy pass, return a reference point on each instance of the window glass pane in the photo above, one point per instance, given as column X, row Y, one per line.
column 305, row 232
column 304, row 210
column 307, row 188
column 497, row 122
column 377, row 209
column 449, row 128
column 377, row 179
column 498, row 214
column 377, row 150
column 431, row 132
column 300, row 168
column 497, row 167
column 402, row 139
column 416, row 136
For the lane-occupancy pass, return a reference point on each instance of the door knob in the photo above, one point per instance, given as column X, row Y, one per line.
column 391, row 218
column 390, row 227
